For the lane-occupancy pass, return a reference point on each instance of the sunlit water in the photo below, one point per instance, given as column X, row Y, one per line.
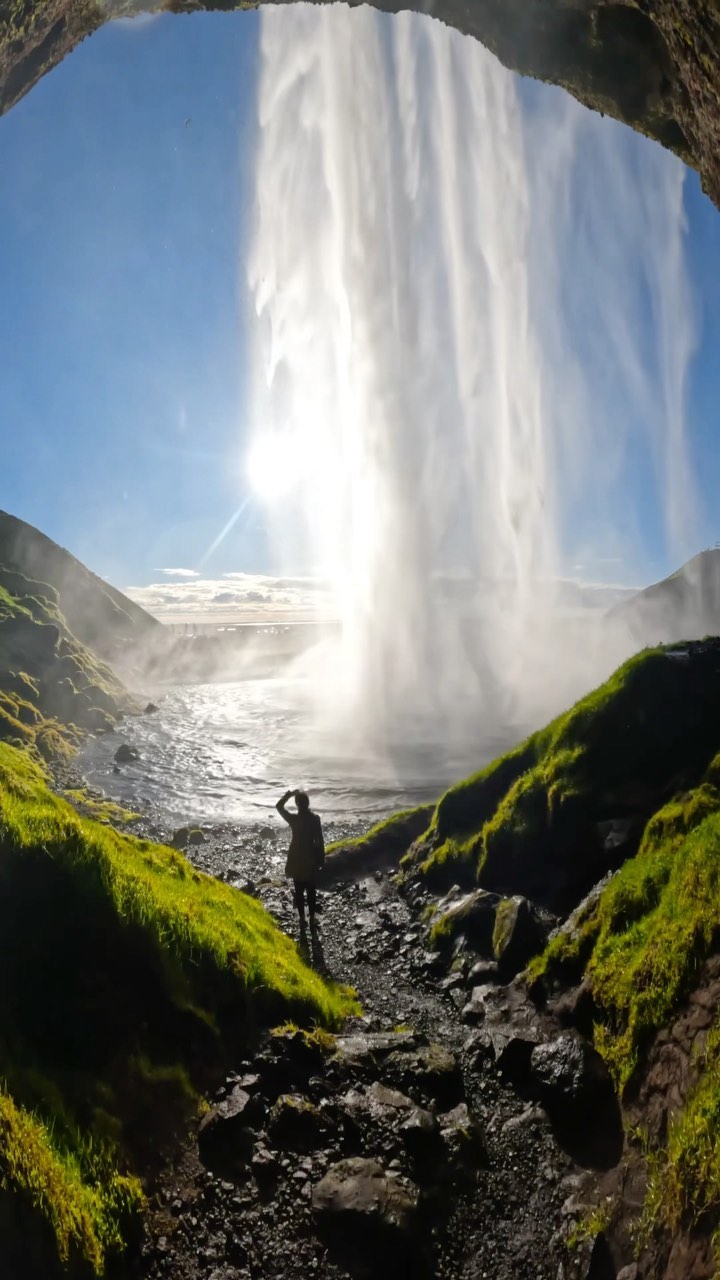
column 225, row 753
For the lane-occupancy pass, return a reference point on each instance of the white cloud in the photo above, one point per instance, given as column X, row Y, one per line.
column 179, row 573
column 236, row 598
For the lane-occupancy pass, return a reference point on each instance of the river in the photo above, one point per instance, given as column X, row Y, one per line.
column 224, row 753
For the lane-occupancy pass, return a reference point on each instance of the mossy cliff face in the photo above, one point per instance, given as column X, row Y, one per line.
column 652, row 63
column 624, row 786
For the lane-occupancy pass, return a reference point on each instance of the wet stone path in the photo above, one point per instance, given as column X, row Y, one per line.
column 400, row 1151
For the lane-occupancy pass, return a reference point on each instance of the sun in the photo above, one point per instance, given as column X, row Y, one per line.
column 271, row 467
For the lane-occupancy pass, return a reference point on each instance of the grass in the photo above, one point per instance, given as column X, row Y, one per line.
column 99, row 807
column 528, row 823
column 86, row 1211
column 684, row 1175
column 642, row 946
column 393, row 833
column 128, row 979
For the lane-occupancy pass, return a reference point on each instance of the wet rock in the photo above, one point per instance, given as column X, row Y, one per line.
column 288, row 1062
column 574, row 1085
column 463, row 1138
column 517, row 937
column 431, row 1071
column 470, row 915
column 264, row 1166
column 404, row 1123
column 196, row 836
column 473, row 1011
column 296, row 1124
column 369, row 1217
column 570, row 1073
column 151, row 708
column 126, row 754
column 577, row 1008
column 225, row 1136
column 482, row 973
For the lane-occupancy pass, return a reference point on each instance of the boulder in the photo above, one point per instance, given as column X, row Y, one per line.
column 430, row 1071
column 469, row 915
column 518, row 935
column 405, row 1125
column 370, row 1218
column 125, row 754
column 296, row 1124
column 574, row 1085
column 225, row 1136
column 151, row 708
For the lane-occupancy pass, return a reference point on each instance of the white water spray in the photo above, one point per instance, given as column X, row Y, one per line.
column 403, row 372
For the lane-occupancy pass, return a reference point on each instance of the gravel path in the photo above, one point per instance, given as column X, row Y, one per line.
column 509, row 1217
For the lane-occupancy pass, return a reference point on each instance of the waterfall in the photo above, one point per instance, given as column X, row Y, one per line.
column 405, row 385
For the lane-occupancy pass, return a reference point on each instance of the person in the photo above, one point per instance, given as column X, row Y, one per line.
column 306, row 855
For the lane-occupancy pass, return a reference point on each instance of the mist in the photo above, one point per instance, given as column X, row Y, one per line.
column 472, row 322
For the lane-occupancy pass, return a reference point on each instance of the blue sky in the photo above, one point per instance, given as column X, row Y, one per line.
column 124, row 210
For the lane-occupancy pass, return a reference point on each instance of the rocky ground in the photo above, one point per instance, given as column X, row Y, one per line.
column 415, row 1144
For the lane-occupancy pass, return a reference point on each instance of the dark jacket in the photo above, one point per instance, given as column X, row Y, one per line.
column 306, row 855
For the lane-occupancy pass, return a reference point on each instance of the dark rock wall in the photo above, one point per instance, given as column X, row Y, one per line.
column 652, row 63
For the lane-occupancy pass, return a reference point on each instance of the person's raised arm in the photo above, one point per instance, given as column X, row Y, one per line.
column 280, row 806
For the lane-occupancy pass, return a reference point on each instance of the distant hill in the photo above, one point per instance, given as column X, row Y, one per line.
column 97, row 614
column 685, row 606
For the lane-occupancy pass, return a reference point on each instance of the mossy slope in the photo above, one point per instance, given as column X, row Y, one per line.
column 550, row 817
column 127, row 978
column 99, row 615
column 52, row 687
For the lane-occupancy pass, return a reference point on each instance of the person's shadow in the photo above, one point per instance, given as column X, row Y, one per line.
column 311, row 950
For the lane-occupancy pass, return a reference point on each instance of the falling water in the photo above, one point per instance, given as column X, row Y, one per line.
column 404, row 382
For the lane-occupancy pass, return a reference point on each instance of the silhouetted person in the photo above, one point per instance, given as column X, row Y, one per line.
column 306, row 855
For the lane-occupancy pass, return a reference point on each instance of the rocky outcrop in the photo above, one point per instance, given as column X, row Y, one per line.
column 650, row 63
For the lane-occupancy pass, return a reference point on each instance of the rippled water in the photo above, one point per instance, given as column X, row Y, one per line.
column 225, row 752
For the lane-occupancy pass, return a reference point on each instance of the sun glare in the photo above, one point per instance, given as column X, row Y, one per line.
column 270, row 467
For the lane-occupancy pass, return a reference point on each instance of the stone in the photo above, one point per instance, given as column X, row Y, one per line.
column 430, row 1070
column 473, row 1011
column 570, row 1073
column 369, row 1218
column 470, row 915
column 126, row 754
column 463, row 1138
column 196, row 836
column 517, row 937
column 296, row 1124
column 151, row 708
column 379, row 1107
column 225, row 1136
column 574, row 1085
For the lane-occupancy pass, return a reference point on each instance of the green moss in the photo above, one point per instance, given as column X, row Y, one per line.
column 100, row 808
column 87, row 1210
column 652, row 928
column 684, row 1174
column 529, row 820
column 505, row 913
column 395, row 832
column 127, row 978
